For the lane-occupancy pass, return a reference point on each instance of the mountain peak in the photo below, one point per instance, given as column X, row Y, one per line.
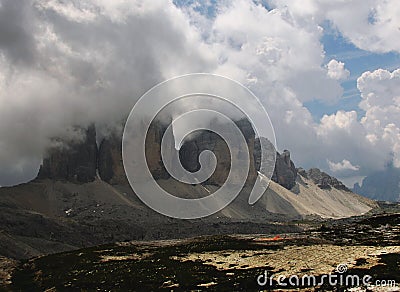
column 74, row 161
column 322, row 179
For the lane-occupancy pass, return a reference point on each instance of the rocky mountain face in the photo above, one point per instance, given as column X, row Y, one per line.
column 285, row 172
column 153, row 150
column 75, row 161
column 382, row 185
column 322, row 179
column 78, row 161
column 110, row 166
column 207, row 140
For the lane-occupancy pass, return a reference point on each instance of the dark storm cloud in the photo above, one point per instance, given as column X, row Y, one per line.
column 70, row 63
column 17, row 31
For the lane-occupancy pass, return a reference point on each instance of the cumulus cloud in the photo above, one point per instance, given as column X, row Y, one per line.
column 345, row 122
column 336, row 70
column 271, row 47
column 380, row 92
column 371, row 25
column 372, row 139
column 342, row 166
column 342, row 135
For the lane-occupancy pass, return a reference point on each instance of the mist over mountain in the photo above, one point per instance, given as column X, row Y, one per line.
column 80, row 62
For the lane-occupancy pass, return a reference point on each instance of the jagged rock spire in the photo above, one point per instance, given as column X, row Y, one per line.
column 74, row 161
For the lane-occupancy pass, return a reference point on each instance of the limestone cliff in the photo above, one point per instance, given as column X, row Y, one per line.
column 110, row 166
column 78, row 161
column 322, row 179
column 285, row 172
column 75, row 161
column 207, row 140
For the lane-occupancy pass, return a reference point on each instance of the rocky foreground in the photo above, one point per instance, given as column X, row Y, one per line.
column 352, row 249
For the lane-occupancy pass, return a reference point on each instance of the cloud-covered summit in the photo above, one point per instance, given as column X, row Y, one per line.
column 66, row 63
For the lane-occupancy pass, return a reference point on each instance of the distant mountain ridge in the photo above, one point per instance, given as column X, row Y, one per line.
column 381, row 185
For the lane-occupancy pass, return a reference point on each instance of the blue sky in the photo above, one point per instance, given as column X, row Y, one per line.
column 357, row 61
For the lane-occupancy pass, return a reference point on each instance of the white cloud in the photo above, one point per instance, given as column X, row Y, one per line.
column 83, row 13
column 336, row 70
column 371, row 25
column 342, row 166
column 341, row 121
column 274, row 47
column 368, row 140
column 91, row 61
column 342, row 135
column 380, row 92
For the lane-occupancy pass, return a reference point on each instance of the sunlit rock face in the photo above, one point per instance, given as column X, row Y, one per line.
column 324, row 181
